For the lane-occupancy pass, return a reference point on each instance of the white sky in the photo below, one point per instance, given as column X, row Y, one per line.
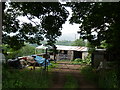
column 69, row 31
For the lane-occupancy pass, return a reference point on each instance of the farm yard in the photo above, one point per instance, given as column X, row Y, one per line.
column 60, row 75
column 87, row 55
column 76, row 74
column 67, row 75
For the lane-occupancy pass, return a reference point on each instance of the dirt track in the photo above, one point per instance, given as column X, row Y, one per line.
column 65, row 68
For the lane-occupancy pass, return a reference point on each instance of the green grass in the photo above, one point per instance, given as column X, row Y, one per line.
column 71, row 82
column 13, row 78
column 64, row 60
column 75, row 63
column 90, row 75
column 103, row 78
column 53, row 65
column 108, row 79
column 26, row 78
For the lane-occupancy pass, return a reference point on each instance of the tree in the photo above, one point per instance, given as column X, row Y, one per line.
column 102, row 19
column 24, row 51
column 52, row 15
column 78, row 42
column 99, row 18
column 64, row 42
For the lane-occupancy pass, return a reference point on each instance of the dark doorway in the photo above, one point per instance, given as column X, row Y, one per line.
column 77, row 54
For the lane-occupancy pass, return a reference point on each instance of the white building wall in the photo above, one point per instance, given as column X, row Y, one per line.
column 84, row 55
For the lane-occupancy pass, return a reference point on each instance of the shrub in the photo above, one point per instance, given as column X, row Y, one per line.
column 24, row 51
column 78, row 60
column 87, row 60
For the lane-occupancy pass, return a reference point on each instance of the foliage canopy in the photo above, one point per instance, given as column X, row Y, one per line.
column 78, row 42
column 51, row 15
column 99, row 22
column 102, row 18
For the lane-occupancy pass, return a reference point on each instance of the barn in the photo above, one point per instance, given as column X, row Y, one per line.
column 68, row 52
column 71, row 52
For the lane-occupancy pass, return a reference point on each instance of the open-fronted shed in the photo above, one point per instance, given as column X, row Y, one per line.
column 71, row 52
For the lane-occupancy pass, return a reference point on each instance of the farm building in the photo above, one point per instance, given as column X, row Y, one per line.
column 68, row 52
column 102, row 58
column 99, row 55
column 71, row 52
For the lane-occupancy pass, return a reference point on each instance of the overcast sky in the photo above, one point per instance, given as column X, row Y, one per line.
column 69, row 31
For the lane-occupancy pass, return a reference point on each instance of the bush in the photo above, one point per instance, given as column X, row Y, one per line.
column 87, row 60
column 78, row 60
column 24, row 51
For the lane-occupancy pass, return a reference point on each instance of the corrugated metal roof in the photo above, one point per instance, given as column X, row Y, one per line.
column 73, row 48
column 62, row 47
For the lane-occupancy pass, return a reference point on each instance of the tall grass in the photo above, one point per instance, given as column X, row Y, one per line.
column 103, row 78
column 90, row 75
column 71, row 82
column 13, row 78
column 108, row 79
